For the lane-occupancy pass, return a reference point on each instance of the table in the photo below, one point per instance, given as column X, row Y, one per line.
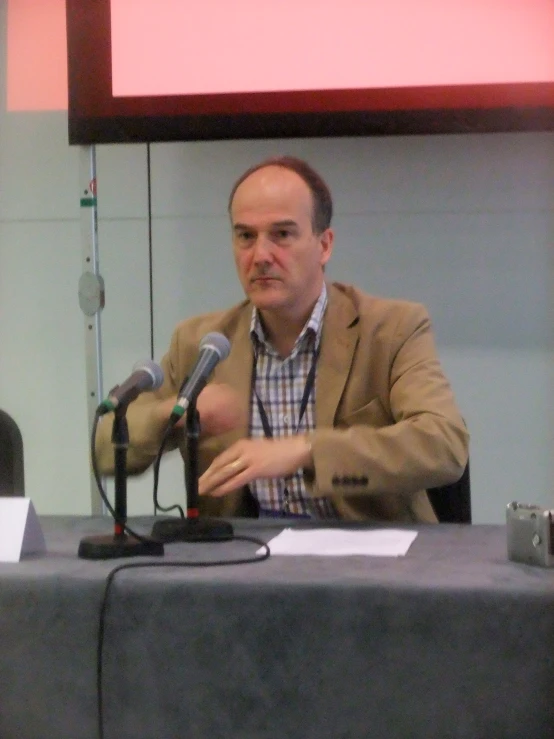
column 451, row 641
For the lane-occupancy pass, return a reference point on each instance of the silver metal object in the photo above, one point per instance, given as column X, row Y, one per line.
column 530, row 530
column 91, row 296
column 91, row 293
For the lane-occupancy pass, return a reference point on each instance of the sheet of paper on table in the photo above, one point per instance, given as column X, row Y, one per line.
column 342, row 542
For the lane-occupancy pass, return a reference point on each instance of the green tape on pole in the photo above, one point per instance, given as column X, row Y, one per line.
column 88, row 202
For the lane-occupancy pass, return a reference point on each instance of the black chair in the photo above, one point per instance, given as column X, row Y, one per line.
column 452, row 503
column 12, row 480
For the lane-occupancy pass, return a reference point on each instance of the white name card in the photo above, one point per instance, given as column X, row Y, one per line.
column 20, row 530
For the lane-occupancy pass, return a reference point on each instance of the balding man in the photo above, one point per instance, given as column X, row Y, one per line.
column 332, row 403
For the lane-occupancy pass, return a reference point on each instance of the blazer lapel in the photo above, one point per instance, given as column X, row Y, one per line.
column 338, row 342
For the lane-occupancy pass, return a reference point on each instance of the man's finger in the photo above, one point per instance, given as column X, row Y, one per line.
column 215, row 478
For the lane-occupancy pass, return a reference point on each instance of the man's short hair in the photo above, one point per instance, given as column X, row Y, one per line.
column 322, row 210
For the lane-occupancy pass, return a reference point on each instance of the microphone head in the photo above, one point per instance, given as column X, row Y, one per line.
column 153, row 369
column 216, row 341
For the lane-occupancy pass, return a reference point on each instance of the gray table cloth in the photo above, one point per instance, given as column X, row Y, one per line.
column 452, row 640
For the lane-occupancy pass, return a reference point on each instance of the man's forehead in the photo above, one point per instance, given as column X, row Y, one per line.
column 271, row 185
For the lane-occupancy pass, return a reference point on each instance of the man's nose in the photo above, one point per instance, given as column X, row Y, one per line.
column 262, row 249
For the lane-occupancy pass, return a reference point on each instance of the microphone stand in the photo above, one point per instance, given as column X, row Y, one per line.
column 193, row 528
column 119, row 544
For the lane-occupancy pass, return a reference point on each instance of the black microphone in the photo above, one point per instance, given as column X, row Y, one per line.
column 214, row 347
column 147, row 375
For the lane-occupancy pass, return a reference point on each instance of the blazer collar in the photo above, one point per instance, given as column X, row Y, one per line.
column 338, row 343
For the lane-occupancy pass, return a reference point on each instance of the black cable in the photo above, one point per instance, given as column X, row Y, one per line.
column 157, row 461
column 135, row 565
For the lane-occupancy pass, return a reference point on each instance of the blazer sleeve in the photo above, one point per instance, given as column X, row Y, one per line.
column 411, row 438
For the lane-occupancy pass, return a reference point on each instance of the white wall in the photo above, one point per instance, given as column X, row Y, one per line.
column 463, row 223
column 42, row 363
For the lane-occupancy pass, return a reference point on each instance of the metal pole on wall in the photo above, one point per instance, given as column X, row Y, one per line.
column 91, row 296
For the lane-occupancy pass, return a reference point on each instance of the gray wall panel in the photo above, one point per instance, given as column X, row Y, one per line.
column 39, row 171
column 486, row 277
column 193, row 271
column 122, row 182
column 42, row 377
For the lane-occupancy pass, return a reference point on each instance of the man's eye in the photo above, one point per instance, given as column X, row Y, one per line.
column 282, row 233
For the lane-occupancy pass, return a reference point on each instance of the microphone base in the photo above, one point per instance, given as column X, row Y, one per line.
column 114, row 547
column 192, row 530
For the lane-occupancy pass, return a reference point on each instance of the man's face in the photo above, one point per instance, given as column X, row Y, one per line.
column 279, row 258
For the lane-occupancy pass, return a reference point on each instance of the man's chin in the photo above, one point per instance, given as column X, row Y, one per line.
column 266, row 298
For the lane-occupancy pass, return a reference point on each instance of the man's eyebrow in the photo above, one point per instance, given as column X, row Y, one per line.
column 276, row 224
column 287, row 222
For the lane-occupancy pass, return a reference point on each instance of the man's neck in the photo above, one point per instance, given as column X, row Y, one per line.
column 283, row 331
column 284, row 339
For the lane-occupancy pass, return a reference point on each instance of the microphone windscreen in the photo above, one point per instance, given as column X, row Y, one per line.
column 153, row 369
column 218, row 343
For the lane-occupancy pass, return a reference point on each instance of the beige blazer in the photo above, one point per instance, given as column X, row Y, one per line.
column 387, row 425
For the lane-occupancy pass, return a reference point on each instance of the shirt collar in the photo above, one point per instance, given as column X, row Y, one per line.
column 312, row 327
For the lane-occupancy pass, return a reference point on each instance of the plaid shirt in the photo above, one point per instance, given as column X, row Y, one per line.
column 280, row 385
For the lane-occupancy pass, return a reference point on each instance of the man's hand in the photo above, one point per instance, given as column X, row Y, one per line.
column 251, row 459
column 219, row 408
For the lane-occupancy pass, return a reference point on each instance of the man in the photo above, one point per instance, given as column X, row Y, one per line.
column 332, row 403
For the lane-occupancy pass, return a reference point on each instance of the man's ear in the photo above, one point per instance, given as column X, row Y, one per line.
column 326, row 240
